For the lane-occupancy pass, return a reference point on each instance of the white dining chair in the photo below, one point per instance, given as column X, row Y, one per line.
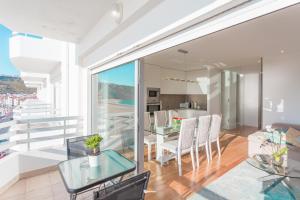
column 149, row 138
column 184, row 144
column 202, row 136
column 160, row 118
column 171, row 114
column 214, row 133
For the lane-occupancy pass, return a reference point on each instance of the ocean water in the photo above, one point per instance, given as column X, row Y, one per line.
column 127, row 102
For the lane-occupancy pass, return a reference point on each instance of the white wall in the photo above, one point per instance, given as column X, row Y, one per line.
column 281, row 94
column 201, row 76
column 249, row 99
column 155, row 77
column 214, row 91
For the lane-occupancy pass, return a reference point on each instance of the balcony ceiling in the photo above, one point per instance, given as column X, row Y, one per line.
column 67, row 20
column 242, row 45
column 34, row 65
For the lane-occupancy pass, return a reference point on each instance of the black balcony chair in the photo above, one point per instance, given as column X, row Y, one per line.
column 76, row 147
column 129, row 189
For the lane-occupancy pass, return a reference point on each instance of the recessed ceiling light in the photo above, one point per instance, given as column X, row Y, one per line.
column 117, row 12
column 182, row 51
column 281, row 51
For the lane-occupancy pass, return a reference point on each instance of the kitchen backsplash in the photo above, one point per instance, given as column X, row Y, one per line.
column 172, row 101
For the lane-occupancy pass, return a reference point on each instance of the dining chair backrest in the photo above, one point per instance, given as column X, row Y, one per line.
column 215, row 127
column 160, row 118
column 130, row 189
column 147, row 122
column 203, row 129
column 76, row 147
column 171, row 114
column 186, row 134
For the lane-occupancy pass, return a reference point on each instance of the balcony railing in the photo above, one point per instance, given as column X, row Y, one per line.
column 25, row 134
column 34, row 110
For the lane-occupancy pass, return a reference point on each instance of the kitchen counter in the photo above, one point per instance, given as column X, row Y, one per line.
column 190, row 113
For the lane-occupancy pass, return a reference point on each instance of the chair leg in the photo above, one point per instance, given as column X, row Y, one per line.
column 197, row 156
column 219, row 150
column 149, row 152
column 161, row 158
column 179, row 164
column 207, row 152
column 192, row 157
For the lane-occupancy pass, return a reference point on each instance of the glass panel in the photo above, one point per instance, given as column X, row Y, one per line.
column 113, row 108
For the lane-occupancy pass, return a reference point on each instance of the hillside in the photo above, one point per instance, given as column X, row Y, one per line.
column 117, row 91
column 14, row 85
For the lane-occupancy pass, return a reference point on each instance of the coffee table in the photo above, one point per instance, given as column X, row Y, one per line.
column 280, row 173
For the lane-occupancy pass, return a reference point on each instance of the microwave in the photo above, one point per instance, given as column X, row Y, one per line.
column 153, row 95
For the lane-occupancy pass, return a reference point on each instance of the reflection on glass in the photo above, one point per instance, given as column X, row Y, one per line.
column 113, row 107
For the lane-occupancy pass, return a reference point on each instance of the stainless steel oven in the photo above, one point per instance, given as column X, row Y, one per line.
column 153, row 95
column 152, row 108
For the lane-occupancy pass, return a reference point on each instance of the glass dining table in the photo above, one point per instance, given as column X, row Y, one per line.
column 78, row 176
column 163, row 134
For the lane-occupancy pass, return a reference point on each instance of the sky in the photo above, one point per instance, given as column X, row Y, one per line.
column 6, row 67
column 122, row 75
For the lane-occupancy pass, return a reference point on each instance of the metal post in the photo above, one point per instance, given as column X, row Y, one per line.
column 65, row 131
column 28, row 135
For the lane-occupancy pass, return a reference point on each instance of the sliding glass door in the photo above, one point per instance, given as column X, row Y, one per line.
column 115, row 108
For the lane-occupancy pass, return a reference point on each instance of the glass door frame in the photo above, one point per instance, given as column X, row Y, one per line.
column 138, row 109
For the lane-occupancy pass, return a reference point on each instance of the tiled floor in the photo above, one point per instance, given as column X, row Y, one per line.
column 165, row 182
column 48, row 186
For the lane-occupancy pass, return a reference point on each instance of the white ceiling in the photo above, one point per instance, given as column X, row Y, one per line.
column 67, row 20
column 239, row 46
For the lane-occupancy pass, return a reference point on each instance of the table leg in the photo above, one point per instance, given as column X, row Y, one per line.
column 159, row 141
column 73, row 196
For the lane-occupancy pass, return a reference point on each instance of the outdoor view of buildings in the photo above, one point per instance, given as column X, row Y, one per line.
column 12, row 92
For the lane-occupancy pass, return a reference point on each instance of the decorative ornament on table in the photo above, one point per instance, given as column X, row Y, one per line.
column 276, row 139
column 93, row 143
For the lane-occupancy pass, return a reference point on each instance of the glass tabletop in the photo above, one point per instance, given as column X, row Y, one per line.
column 162, row 130
column 78, row 175
column 288, row 168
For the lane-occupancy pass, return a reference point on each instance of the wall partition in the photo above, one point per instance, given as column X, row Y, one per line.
column 115, row 108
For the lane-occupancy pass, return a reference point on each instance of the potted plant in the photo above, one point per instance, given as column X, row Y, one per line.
column 93, row 143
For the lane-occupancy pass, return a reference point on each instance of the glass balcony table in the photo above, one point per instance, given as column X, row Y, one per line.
column 78, row 176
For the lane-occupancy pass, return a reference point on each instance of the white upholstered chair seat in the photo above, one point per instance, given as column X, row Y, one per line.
column 150, row 139
column 171, row 146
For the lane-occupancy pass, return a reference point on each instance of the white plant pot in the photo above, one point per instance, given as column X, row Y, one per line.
column 94, row 161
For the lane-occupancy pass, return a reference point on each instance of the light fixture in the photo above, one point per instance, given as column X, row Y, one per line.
column 117, row 12
column 281, row 51
column 184, row 52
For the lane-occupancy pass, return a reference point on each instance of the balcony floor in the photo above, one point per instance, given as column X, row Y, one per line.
column 164, row 183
